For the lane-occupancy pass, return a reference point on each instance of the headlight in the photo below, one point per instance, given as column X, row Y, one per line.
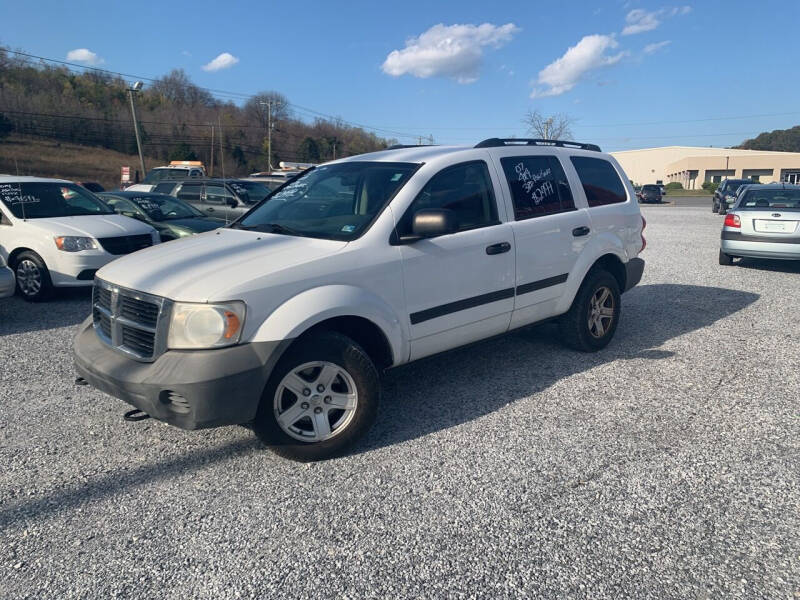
column 196, row 326
column 70, row 243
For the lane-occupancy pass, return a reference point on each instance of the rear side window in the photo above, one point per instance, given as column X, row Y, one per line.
column 465, row 189
column 190, row 192
column 538, row 186
column 600, row 181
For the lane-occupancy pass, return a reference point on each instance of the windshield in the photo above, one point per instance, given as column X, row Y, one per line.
column 252, row 192
column 337, row 201
column 157, row 175
column 42, row 200
column 165, row 208
column 770, row 199
column 651, row 188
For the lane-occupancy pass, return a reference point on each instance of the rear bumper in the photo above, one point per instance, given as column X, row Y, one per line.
column 189, row 389
column 7, row 282
column 634, row 269
column 734, row 243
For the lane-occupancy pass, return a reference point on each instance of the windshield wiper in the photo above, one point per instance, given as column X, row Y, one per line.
column 267, row 228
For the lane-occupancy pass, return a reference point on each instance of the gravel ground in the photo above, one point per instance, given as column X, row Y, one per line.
column 665, row 466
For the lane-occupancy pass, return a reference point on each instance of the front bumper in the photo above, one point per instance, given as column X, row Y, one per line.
column 191, row 389
column 634, row 269
column 7, row 282
column 78, row 268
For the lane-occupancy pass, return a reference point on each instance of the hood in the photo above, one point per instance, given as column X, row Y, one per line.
column 198, row 268
column 193, row 224
column 95, row 226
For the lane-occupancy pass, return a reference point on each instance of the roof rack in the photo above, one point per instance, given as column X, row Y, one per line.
column 401, row 146
column 498, row 142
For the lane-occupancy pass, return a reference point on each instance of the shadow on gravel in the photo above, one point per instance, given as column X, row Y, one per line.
column 66, row 308
column 779, row 266
column 17, row 514
column 453, row 388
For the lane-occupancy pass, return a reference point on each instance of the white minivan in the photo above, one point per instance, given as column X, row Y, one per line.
column 54, row 233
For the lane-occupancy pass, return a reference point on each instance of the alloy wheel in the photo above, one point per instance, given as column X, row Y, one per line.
column 315, row 401
column 601, row 312
column 29, row 277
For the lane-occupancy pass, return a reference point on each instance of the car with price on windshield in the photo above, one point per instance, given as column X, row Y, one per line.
column 55, row 233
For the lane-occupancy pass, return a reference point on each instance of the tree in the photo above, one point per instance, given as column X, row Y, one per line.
column 309, row 150
column 182, row 152
column 780, row 140
column 6, row 126
column 238, row 156
column 554, row 127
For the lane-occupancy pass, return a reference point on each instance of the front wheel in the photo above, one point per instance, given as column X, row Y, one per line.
column 321, row 398
column 33, row 278
column 592, row 320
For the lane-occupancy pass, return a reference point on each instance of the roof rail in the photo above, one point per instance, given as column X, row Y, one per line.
column 401, row 146
column 498, row 142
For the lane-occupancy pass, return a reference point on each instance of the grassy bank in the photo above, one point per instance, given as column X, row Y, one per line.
column 43, row 157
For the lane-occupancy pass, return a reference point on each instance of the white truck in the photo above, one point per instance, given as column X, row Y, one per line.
column 286, row 318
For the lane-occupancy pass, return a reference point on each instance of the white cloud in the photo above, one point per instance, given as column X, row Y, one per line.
column 564, row 73
column 454, row 51
column 85, row 56
column 639, row 20
column 651, row 48
column 224, row 61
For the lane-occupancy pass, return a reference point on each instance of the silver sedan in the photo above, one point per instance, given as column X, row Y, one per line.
column 764, row 223
column 7, row 281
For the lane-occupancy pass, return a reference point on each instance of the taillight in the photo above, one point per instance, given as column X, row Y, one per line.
column 732, row 220
column 644, row 241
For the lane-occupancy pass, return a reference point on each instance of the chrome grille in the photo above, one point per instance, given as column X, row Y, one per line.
column 131, row 322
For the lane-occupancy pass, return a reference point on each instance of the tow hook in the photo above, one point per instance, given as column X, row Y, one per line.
column 81, row 381
column 135, row 415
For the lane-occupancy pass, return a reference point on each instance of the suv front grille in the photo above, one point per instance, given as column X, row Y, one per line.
column 125, row 244
column 131, row 322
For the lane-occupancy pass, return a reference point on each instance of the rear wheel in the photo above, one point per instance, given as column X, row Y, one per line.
column 592, row 320
column 33, row 278
column 725, row 259
column 321, row 398
column 714, row 207
column 723, row 208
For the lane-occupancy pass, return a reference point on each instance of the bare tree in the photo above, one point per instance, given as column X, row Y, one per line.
column 554, row 127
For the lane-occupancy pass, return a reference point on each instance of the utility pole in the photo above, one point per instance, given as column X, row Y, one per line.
column 135, row 88
column 269, row 133
column 211, row 148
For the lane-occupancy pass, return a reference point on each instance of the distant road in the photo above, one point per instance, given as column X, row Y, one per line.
column 702, row 201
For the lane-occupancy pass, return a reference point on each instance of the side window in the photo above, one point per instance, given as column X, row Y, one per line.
column 217, row 194
column 121, row 205
column 465, row 189
column 600, row 181
column 190, row 192
column 164, row 188
column 538, row 186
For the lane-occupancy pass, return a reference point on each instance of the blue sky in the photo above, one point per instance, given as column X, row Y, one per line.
column 630, row 73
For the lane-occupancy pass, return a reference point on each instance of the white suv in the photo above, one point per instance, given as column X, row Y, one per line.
column 54, row 233
column 286, row 318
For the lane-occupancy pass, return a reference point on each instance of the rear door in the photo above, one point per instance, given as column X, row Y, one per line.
column 550, row 232
column 459, row 287
column 218, row 200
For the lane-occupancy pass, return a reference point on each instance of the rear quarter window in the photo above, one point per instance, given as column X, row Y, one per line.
column 600, row 181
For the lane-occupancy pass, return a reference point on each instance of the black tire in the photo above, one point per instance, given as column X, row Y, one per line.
column 725, row 259
column 714, row 207
column 574, row 325
column 723, row 208
column 30, row 268
column 343, row 352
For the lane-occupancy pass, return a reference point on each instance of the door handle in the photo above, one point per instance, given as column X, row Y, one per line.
column 209, row 209
column 498, row 248
column 579, row 231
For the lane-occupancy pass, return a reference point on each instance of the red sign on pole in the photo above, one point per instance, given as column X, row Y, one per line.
column 126, row 174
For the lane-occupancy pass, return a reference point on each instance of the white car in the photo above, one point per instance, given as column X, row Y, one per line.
column 54, row 233
column 286, row 318
column 7, row 281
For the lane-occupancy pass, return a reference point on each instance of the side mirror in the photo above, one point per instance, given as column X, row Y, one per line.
column 231, row 202
column 432, row 222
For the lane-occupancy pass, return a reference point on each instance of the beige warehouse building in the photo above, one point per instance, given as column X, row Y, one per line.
column 693, row 166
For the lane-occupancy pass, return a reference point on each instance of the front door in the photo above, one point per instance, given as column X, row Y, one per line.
column 459, row 287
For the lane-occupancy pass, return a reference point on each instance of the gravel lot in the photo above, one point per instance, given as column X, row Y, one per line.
column 665, row 466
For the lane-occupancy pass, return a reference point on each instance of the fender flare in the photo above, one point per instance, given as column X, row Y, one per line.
column 311, row 307
column 601, row 245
